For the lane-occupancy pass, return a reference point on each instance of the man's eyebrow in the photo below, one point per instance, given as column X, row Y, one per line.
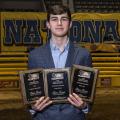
column 53, row 17
column 61, row 17
column 65, row 17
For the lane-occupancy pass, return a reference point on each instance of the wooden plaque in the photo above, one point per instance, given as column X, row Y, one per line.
column 84, row 82
column 32, row 85
column 57, row 83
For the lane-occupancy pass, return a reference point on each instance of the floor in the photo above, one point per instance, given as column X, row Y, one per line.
column 106, row 105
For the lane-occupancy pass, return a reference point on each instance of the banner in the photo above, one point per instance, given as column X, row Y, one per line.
column 21, row 31
column 97, row 31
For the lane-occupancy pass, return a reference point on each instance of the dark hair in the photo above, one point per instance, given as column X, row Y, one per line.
column 58, row 10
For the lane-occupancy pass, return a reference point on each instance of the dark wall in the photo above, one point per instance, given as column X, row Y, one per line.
column 27, row 5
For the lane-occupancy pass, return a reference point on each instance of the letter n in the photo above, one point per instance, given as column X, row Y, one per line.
column 12, row 32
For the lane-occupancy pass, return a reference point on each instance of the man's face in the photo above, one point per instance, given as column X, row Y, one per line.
column 59, row 25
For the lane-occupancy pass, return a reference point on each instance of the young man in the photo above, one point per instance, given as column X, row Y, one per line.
column 59, row 52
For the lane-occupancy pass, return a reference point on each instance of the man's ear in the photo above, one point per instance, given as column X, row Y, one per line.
column 70, row 24
column 47, row 24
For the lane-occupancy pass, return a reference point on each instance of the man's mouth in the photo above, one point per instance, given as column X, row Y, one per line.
column 59, row 28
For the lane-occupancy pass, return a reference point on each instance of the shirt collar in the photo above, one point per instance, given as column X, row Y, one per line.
column 54, row 47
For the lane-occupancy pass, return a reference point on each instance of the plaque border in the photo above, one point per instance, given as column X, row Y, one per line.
column 22, row 84
column 46, row 71
column 96, row 71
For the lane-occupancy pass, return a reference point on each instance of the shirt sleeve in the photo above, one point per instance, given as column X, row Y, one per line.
column 86, row 109
column 32, row 112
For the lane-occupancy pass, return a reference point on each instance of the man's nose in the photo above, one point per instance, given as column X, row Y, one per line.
column 59, row 22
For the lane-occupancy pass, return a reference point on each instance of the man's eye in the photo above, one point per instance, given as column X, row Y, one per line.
column 62, row 19
column 65, row 19
column 54, row 19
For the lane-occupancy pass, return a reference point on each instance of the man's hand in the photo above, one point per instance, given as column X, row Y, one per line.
column 75, row 100
column 41, row 103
